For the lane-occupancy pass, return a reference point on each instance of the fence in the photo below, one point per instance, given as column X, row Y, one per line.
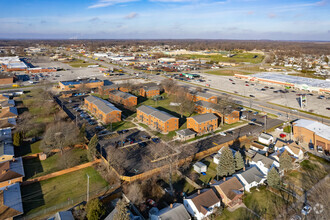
column 157, row 170
column 68, row 204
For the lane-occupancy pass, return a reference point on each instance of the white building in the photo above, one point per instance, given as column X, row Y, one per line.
column 264, row 164
column 265, row 138
column 199, row 167
column 251, row 178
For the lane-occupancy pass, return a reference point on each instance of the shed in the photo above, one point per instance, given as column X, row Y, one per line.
column 265, row 138
column 185, row 134
column 199, row 167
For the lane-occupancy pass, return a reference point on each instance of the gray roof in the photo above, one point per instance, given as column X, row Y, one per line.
column 161, row 115
column 320, row 129
column 112, row 86
column 268, row 162
column 150, row 88
column 121, row 94
column 12, row 197
column 203, row 94
column 17, row 166
column 199, row 164
column 252, row 174
column 186, row 132
column 6, row 148
column 204, row 117
column 7, row 103
column 177, row 212
column 103, row 105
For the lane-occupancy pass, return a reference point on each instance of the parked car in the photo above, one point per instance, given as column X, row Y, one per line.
column 142, row 144
column 253, row 119
column 306, row 210
column 252, row 96
column 223, row 134
column 282, row 135
column 321, row 97
column 255, row 113
column 246, row 84
column 155, row 140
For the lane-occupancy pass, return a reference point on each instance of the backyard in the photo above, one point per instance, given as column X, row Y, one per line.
column 58, row 192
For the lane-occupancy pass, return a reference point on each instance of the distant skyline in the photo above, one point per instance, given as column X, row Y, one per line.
column 166, row 19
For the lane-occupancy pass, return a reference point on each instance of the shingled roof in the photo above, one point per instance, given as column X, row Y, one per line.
column 268, row 162
column 204, row 117
column 10, row 201
column 161, row 115
column 11, row 169
column 204, row 200
column 252, row 174
column 102, row 105
column 231, row 187
column 121, row 94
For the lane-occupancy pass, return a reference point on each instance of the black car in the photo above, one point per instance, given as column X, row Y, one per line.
column 142, row 144
column 252, row 96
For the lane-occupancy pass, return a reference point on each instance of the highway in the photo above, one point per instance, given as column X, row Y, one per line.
column 283, row 113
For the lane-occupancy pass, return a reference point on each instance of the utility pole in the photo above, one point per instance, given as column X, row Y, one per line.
column 265, row 122
column 87, row 187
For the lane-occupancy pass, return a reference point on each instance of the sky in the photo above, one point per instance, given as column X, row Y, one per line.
column 166, row 19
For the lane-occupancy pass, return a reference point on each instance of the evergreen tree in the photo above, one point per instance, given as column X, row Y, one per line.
column 122, row 211
column 95, row 209
column 273, row 178
column 17, row 139
column 82, row 131
column 92, row 147
column 285, row 161
column 226, row 165
column 239, row 162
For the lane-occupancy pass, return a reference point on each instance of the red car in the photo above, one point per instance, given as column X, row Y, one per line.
column 246, row 84
column 282, row 135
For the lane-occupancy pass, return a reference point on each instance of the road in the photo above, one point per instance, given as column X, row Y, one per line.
column 260, row 105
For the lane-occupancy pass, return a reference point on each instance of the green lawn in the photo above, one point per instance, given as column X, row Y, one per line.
column 239, row 57
column 79, row 63
column 238, row 214
column 224, row 72
column 27, row 149
column 121, row 125
column 211, row 171
column 58, row 190
column 263, row 202
column 180, row 184
column 34, row 167
column 287, row 129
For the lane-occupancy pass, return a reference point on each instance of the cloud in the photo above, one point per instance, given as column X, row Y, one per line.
column 272, row 15
column 106, row 3
column 322, row 3
column 131, row 15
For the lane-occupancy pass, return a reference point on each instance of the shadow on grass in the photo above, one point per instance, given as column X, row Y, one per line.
column 32, row 197
column 32, row 167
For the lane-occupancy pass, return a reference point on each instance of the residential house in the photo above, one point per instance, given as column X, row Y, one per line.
column 251, row 178
column 10, row 112
column 7, row 103
column 293, row 149
column 114, row 211
column 265, row 138
column 185, row 134
column 10, row 202
column 80, row 84
column 231, row 191
column 203, row 96
column 203, row 107
column 149, row 91
column 175, row 211
column 264, row 164
column 11, row 171
column 157, row 119
column 203, row 123
column 202, row 203
column 8, row 123
column 64, row 215
column 6, row 150
column 102, row 109
column 123, row 98
column 3, row 97
column 313, row 133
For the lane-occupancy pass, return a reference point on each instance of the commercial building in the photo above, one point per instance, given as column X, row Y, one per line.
column 203, row 123
column 80, row 84
column 313, row 133
column 123, row 98
column 157, row 119
column 102, row 109
column 11, row 64
column 203, row 107
column 202, row 96
column 302, row 83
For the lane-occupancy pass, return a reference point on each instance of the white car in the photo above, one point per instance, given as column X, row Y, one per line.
column 306, row 210
column 223, row 133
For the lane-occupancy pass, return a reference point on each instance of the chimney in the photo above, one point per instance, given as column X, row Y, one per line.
column 243, row 168
column 198, row 192
column 224, row 178
column 266, row 154
column 4, row 171
column 171, row 205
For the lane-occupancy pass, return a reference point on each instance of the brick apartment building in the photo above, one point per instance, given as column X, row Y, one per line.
column 80, row 84
column 102, row 109
column 6, row 79
column 203, row 107
column 313, row 133
column 203, row 123
column 157, row 119
column 149, row 91
column 123, row 98
column 202, row 96
column 105, row 90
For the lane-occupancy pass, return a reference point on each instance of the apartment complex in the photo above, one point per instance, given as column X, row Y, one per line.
column 149, row 91
column 203, row 107
column 80, row 84
column 157, row 119
column 312, row 132
column 123, row 98
column 202, row 96
column 203, row 123
column 102, row 109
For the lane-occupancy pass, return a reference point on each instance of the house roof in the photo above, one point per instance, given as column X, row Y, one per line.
column 199, row 164
column 177, row 212
column 252, row 175
column 265, row 136
column 204, row 200
column 10, row 201
column 8, row 112
column 150, row 88
column 7, row 123
column 203, row 94
column 121, row 94
column 161, row 115
column 6, row 149
column 4, row 97
column 103, row 105
column 231, row 187
column 185, row 132
column 7, row 103
column 64, row 215
column 112, row 86
column 280, row 143
column 11, row 169
column 204, row 117
column 320, row 129
column 268, row 162
column 295, row 148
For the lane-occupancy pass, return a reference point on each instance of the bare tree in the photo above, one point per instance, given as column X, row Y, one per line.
column 134, row 192
column 225, row 106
